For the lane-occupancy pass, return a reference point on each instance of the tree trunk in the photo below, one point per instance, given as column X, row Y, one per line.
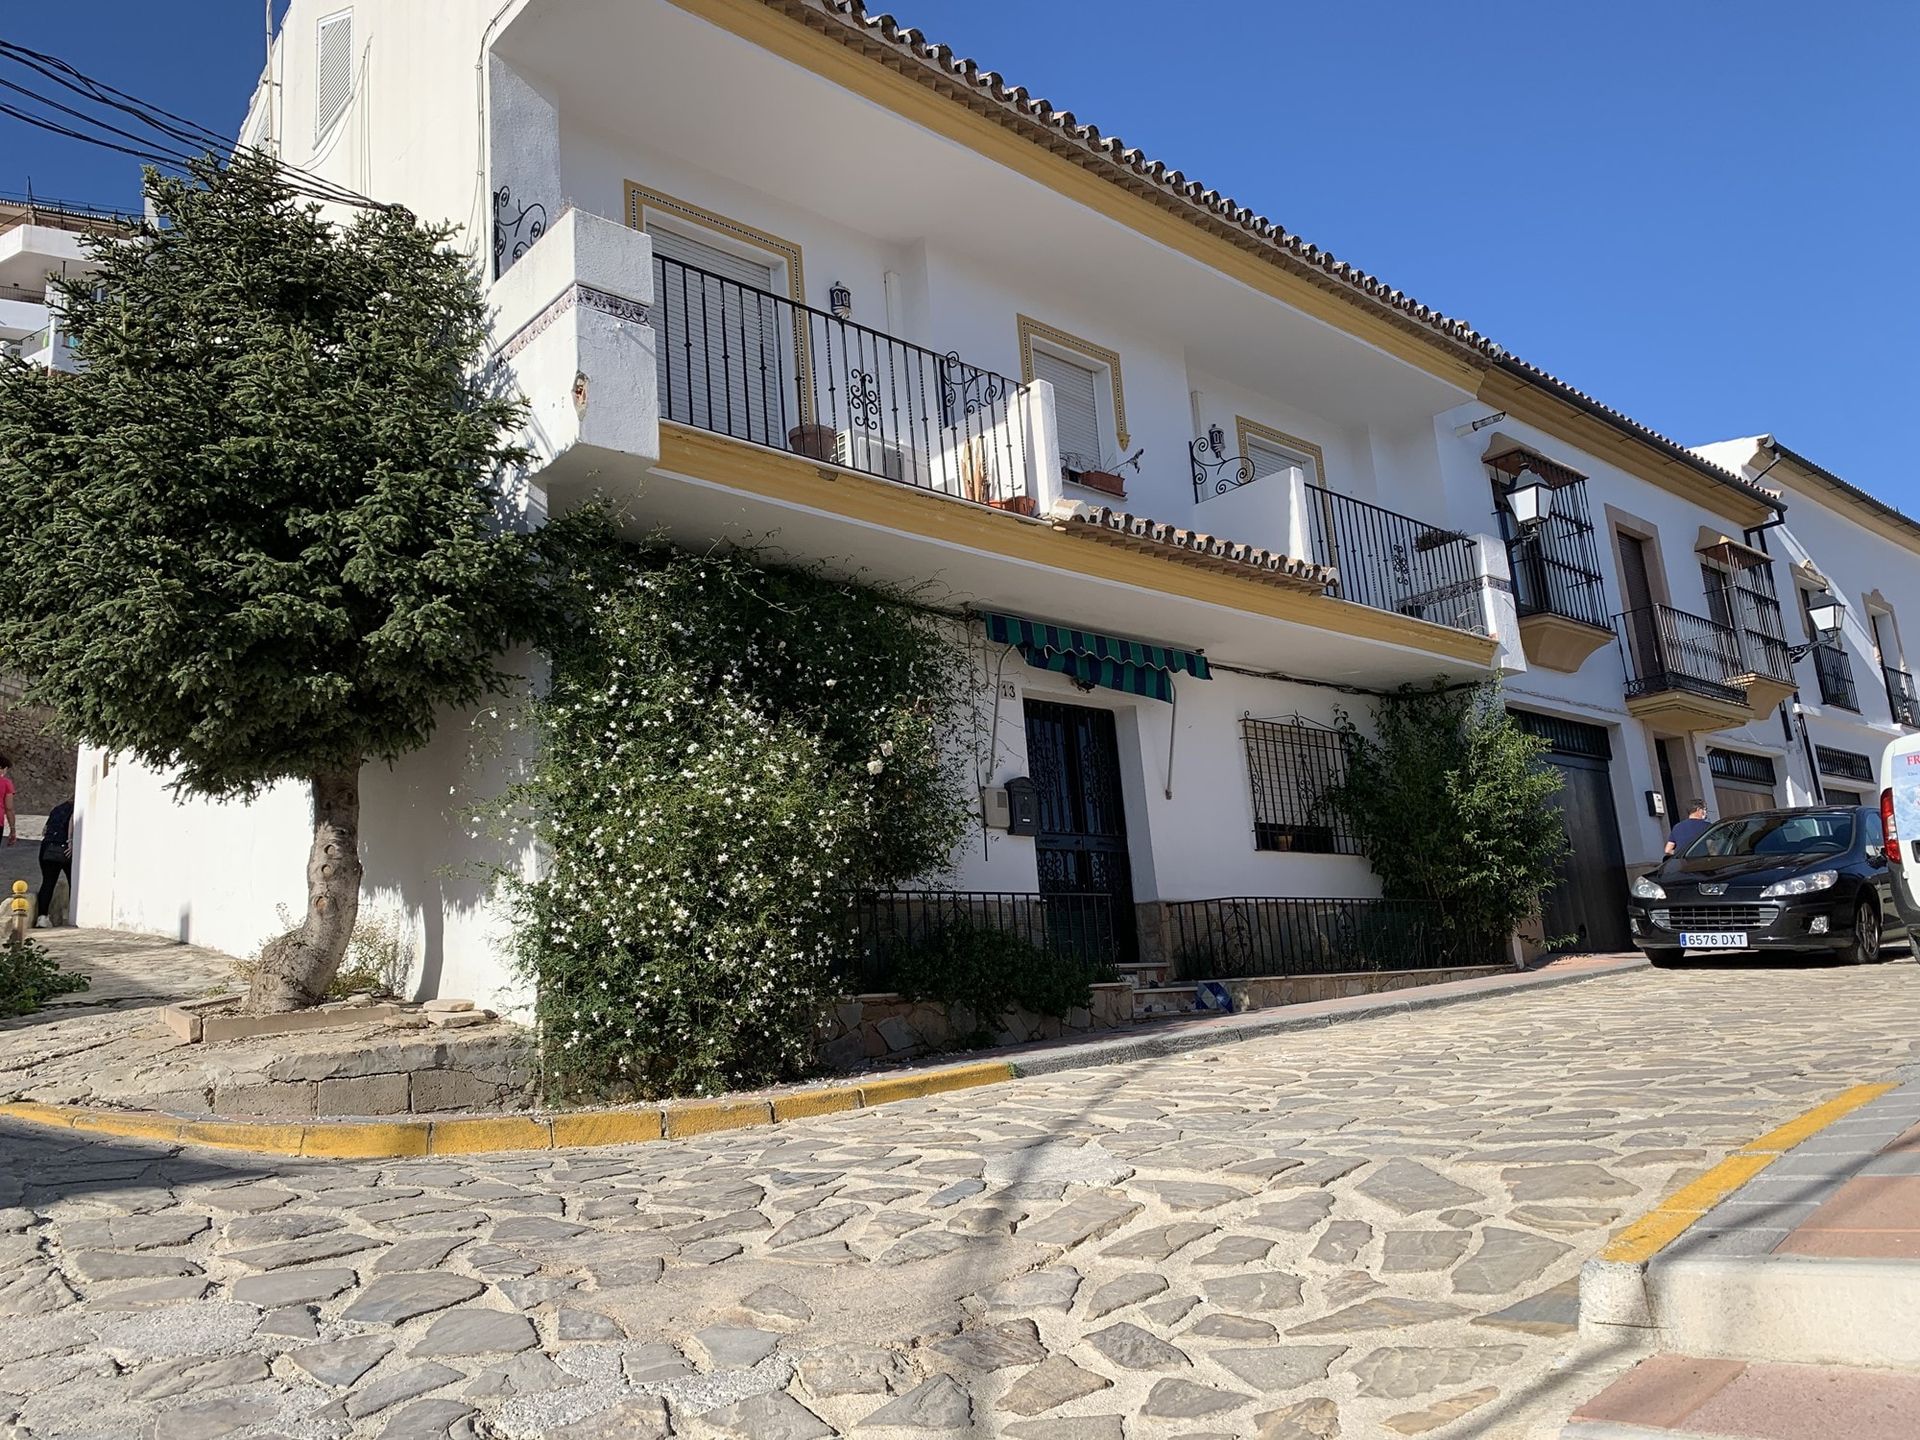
column 296, row 969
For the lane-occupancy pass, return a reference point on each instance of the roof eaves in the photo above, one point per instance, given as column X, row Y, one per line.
column 1845, row 487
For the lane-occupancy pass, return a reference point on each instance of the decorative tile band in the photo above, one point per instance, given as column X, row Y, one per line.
column 605, row 301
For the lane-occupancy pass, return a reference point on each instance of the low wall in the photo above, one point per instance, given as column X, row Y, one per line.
column 870, row 1029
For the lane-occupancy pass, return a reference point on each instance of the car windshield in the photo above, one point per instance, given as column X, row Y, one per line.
column 1830, row 833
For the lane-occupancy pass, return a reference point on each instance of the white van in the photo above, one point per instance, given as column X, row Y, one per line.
column 1900, row 817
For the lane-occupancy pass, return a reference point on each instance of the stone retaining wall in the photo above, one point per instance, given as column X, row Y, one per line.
column 1268, row 991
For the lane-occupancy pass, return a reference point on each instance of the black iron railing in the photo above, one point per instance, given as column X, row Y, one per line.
column 1834, row 666
column 1847, row 764
column 1744, row 599
column 1556, row 563
column 1901, row 697
column 42, row 211
column 1257, row 935
column 886, row 924
column 1668, row 649
column 1390, row 561
column 756, row 366
column 1293, row 765
column 22, row 292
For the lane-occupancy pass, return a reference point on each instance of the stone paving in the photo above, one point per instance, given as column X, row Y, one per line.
column 1372, row 1230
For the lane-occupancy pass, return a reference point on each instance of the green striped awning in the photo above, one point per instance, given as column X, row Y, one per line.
column 1132, row 666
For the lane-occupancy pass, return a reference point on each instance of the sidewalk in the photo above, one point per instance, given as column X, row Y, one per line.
column 1790, row 1310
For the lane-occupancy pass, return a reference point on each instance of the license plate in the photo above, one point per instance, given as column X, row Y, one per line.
column 1714, row 939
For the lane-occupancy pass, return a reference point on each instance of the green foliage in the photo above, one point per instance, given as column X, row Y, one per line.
column 1452, row 803
column 988, row 972
column 29, row 977
column 728, row 751
column 258, row 534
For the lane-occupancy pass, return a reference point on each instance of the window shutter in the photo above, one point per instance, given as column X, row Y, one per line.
column 1269, row 459
column 1076, row 406
column 724, row 363
column 332, row 72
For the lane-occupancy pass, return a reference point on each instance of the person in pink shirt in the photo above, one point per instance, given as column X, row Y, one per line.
column 10, row 824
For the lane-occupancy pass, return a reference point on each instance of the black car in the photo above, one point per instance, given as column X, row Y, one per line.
column 1805, row 879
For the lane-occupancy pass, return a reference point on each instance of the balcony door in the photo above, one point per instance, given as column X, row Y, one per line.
column 1636, row 593
column 725, row 363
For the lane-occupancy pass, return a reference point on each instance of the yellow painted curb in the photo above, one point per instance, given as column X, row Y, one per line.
column 707, row 1117
column 354, row 1140
column 607, row 1127
column 913, row 1087
column 493, row 1134
column 805, row 1104
column 484, row 1134
column 1673, row 1216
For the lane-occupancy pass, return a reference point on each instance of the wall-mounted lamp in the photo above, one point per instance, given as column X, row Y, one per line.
column 1216, row 440
column 840, row 301
column 1530, row 501
column 1826, row 613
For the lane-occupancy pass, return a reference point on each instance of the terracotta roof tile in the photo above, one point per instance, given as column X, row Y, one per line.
column 1191, row 547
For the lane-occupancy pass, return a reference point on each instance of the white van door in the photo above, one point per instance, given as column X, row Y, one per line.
column 1900, row 814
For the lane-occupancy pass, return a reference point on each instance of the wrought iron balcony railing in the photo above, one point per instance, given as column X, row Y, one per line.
column 24, row 293
column 1556, row 564
column 1834, row 666
column 1257, row 935
column 1901, row 697
column 1668, row 649
column 757, row 366
column 1390, row 561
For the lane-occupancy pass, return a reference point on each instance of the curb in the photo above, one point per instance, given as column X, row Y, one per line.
column 1613, row 1287
column 588, row 1129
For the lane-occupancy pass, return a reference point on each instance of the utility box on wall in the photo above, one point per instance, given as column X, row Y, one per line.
column 1013, row 807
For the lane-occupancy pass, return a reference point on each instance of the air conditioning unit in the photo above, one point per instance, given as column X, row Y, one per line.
column 873, row 455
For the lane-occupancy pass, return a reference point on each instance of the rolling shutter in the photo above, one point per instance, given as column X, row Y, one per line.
column 724, row 363
column 1076, row 403
column 332, row 71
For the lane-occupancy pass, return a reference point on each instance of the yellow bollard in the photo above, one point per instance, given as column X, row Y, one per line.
column 20, row 920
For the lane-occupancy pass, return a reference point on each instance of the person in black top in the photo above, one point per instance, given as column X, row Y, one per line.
column 1687, row 831
column 56, row 856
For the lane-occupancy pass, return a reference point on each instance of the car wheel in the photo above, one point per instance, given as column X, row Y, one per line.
column 1865, row 948
column 1664, row 959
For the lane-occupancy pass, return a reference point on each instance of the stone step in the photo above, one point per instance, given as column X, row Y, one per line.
column 1688, row 1397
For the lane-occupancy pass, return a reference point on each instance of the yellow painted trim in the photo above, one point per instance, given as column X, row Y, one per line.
column 1673, row 1216
column 1030, row 329
column 640, row 199
column 1687, row 712
column 1528, row 403
column 793, row 479
column 804, row 1104
column 934, row 1082
column 1251, row 261
column 366, row 1140
column 705, row 1117
column 1554, row 642
column 485, row 1134
column 1246, row 430
column 589, row 1128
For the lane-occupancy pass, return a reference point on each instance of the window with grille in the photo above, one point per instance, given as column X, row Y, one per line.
column 1293, row 765
column 1741, row 767
column 723, row 362
column 1848, row 763
column 332, row 71
column 1076, row 404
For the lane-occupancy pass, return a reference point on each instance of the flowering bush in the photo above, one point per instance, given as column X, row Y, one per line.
column 728, row 750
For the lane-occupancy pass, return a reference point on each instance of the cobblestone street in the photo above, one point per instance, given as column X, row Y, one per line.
column 1371, row 1230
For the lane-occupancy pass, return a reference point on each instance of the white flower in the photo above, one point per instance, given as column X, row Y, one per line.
column 886, row 747
column 874, row 767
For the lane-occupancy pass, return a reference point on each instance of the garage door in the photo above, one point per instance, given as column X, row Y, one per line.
column 1589, row 905
column 1742, row 783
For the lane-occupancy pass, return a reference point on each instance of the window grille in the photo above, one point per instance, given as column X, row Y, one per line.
column 1737, row 766
column 1847, row 763
column 1293, row 766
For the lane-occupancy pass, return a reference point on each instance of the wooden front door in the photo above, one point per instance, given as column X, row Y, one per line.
column 1073, row 759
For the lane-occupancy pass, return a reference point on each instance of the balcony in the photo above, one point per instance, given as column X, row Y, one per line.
column 1902, row 699
column 760, row 367
column 1558, row 591
column 1388, row 561
column 1683, row 671
column 1834, row 667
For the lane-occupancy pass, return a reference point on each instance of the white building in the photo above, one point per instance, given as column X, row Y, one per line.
column 41, row 239
column 777, row 272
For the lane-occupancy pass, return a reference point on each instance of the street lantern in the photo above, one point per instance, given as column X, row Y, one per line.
column 1530, row 500
column 1825, row 612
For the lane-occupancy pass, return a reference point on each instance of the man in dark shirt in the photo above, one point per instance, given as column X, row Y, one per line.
column 56, row 857
column 1690, row 829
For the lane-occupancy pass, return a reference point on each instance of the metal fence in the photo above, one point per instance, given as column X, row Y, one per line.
column 1901, row 697
column 1835, row 668
column 1556, row 564
column 747, row 363
column 27, row 294
column 1390, row 561
column 887, row 924
column 1669, row 649
column 1247, row 937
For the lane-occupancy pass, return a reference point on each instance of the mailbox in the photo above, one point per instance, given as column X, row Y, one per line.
column 1023, row 807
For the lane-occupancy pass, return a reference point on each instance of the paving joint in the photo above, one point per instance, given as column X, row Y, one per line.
column 587, row 1129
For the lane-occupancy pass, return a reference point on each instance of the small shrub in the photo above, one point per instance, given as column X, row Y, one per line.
column 379, row 958
column 29, row 977
column 989, row 972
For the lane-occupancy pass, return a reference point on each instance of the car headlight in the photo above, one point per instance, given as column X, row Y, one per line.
column 1645, row 889
column 1801, row 885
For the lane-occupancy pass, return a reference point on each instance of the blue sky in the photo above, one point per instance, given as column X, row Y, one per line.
column 1702, row 213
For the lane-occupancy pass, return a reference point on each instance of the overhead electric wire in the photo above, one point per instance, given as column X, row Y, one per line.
column 175, row 128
